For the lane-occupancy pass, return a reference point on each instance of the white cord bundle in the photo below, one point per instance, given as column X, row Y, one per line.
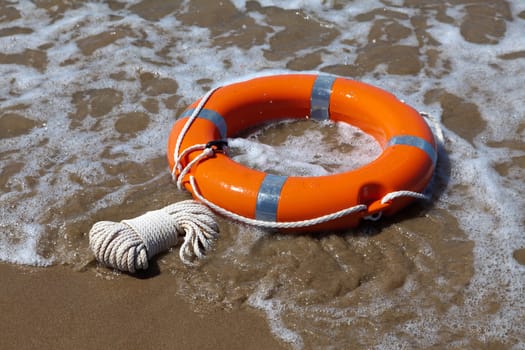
column 127, row 245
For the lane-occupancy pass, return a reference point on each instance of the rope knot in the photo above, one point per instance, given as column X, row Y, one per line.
column 127, row 245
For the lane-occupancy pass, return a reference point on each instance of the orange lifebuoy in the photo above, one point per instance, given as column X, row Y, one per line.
column 406, row 164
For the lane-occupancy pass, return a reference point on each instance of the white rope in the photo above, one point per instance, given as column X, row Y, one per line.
column 127, row 245
column 206, row 152
column 438, row 130
column 396, row 194
column 272, row 224
column 177, row 157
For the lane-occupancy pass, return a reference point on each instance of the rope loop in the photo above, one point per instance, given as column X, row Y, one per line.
column 396, row 194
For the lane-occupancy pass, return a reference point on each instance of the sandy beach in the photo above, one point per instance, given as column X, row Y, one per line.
column 59, row 308
column 90, row 91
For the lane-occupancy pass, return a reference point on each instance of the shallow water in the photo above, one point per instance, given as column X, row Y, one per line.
column 304, row 148
column 91, row 90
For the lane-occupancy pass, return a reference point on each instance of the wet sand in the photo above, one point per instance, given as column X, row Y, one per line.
column 96, row 118
column 59, row 308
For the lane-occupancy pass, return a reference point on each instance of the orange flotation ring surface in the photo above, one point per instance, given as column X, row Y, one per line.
column 199, row 163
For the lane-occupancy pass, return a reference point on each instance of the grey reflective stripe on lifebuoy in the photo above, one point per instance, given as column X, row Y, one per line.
column 268, row 197
column 320, row 98
column 212, row 116
column 415, row 141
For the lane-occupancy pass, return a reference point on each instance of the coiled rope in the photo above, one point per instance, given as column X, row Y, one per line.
column 129, row 244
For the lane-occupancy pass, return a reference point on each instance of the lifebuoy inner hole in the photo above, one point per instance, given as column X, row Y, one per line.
column 301, row 147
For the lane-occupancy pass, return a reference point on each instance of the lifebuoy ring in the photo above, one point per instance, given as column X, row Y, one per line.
column 407, row 162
